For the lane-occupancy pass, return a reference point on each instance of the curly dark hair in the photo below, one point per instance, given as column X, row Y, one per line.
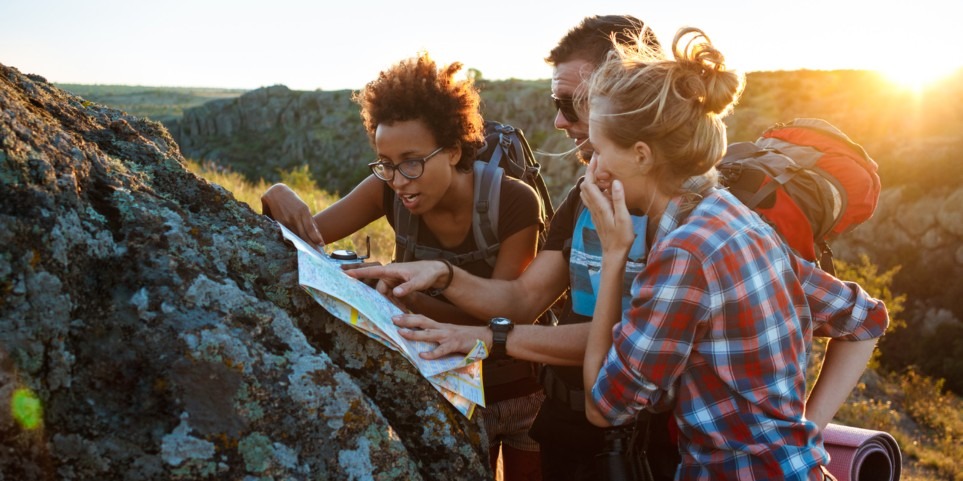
column 591, row 39
column 417, row 89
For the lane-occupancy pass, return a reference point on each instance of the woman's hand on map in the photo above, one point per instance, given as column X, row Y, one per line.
column 401, row 279
column 370, row 282
column 451, row 338
column 283, row 205
column 385, row 290
column 399, row 303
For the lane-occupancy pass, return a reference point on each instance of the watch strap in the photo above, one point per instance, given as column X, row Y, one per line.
column 498, row 345
column 500, row 326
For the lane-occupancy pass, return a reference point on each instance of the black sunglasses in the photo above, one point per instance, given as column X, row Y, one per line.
column 566, row 105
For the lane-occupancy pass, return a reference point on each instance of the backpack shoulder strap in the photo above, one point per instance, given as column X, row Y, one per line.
column 747, row 187
column 406, row 226
column 531, row 173
column 407, row 247
column 487, row 196
column 825, row 257
column 742, row 150
column 577, row 212
column 406, row 233
column 780, row 180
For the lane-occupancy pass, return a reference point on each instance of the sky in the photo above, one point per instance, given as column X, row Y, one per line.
column 343, row 44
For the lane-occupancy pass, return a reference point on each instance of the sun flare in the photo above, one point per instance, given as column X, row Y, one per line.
column 917, row 76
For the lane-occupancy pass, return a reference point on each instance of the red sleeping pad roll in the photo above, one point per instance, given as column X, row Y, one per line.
column 858, row 454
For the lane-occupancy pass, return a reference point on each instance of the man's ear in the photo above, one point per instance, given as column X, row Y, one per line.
column 644, row 156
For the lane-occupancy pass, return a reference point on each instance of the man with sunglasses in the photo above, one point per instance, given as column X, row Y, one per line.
column 569, row 443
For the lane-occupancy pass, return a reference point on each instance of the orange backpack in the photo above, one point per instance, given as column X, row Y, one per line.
column 807, row 179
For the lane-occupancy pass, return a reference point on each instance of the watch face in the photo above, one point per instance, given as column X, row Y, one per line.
column 502, row 322
column 342, row 254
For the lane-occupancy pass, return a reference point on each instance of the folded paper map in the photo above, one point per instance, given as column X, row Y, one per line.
column 458, row 378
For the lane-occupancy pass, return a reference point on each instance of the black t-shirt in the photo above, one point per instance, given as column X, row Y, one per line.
column 518, row 208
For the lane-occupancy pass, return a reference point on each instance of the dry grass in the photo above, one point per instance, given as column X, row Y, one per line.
column 380, row 233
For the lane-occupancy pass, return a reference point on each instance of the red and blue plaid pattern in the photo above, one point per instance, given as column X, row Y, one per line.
column 722, row 318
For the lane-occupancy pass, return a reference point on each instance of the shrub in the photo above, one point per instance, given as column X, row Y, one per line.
column 301, row 181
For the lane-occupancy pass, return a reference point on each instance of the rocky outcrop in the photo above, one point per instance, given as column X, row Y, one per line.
column 152, row 328
column 275, row 129
column 921, row 233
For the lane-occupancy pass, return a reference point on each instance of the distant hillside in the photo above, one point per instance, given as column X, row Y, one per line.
column 274, row 129
column 163, row 104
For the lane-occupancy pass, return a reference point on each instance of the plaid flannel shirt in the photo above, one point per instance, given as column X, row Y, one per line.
column 722, row 321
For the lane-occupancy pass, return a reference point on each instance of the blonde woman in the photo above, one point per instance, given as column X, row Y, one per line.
column 723, row 314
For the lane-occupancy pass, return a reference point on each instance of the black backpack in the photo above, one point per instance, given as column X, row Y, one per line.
column 505, row 151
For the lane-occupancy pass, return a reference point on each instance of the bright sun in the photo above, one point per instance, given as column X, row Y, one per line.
column 917, row 76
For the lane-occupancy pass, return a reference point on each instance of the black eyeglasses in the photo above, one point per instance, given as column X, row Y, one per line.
column 410, row 169
column 566, row 105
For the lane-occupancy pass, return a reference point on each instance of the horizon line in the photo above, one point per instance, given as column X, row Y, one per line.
column 545, row 79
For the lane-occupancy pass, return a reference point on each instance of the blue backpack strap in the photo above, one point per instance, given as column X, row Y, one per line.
column 488, row 187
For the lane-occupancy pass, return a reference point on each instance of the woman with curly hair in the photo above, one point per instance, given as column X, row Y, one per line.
column 425, row 126
column 723, row 314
